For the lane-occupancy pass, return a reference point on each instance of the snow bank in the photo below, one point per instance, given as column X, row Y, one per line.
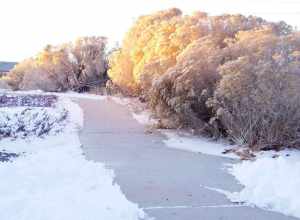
column 270, row 183
column 81, row 96
column 195, row 144
column 27, row 100
column 53, row 181
column 70, row 94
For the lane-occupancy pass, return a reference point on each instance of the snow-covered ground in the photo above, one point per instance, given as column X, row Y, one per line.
column 52, row 180
column 70, row 94
column 196, row 144
column 270, row 183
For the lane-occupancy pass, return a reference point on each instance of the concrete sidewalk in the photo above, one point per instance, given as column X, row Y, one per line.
column 169, row 184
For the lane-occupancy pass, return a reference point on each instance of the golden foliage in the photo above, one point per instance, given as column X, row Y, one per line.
column 155, row 41
column 68, row 66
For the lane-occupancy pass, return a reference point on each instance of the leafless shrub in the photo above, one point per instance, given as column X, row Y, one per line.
column 39, row 80
column 90, row 59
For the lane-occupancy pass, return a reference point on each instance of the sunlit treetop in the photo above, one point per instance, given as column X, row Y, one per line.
column 154, row 42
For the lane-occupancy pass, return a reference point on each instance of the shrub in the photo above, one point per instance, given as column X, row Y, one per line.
column 35, row 115
column 70, row 66
column 15, row 76
column 179, row 96
column 258, row 97
column 155, row 41
column 226, row 75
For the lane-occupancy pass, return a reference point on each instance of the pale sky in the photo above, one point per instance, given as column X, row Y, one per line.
column 28, row 25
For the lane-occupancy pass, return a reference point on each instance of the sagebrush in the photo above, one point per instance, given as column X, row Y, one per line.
column 231, row 76
column 72, row 66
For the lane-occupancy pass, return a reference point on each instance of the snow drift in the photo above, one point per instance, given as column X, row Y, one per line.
column 270, row 183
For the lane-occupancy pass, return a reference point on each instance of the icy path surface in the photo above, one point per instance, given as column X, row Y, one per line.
column 52, row 180
column 167, row 183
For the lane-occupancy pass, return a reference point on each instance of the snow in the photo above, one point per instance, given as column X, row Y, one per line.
column 270, row 183
column 72, row 58
column 144, row 118
column 53, row 181
column 69, row 94
column 19, row 122
column 195, row 144
column 137, row 109
column 121, row 100
column 80, row 96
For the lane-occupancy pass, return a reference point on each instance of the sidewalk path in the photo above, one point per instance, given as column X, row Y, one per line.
column 168, row 183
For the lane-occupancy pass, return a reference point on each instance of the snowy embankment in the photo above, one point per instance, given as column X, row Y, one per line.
column 188, row 142
column 69, row 94
column 271, row 182
column 51, row 178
